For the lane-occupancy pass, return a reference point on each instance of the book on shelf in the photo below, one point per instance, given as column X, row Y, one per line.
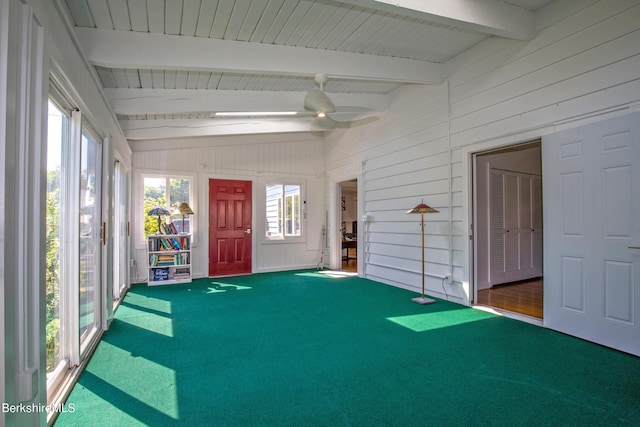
column 158, row 260
column 169, row 228
column 160, row 274
column 168, row 243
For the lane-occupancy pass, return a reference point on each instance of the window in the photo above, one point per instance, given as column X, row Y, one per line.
column 56, row 136
column 283, row 211
column 166, row 192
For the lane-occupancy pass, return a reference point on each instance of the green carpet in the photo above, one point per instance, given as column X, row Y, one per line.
column 305, row 349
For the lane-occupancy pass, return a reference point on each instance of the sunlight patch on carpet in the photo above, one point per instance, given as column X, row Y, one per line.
column 225, row 287
column 141, row 371
column 440, row 319
column 133, row 304
column 153, row 323
column 334, row 274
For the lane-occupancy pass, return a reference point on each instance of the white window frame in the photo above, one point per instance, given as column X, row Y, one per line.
column 140, row 215
column 283, row 237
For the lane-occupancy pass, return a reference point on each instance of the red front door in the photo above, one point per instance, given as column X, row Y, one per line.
column 229, row 227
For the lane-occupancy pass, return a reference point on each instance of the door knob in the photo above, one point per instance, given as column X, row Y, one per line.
column 248, row 231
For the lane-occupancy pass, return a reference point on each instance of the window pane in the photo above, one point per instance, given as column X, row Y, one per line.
column 155, row 194
column 292, row 195
column 168, row 193
column 57, row 131
column 120, row 235
column 90, row 223
column 179, row 190
column 274, row 211
column 283, row 211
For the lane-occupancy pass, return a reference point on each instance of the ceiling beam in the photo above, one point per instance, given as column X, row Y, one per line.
column 137, row 50
column 160, row 101
column 486, row 16
column 183, row 128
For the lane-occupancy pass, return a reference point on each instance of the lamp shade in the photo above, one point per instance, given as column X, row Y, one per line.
column 185, row 209
column 422, row 208
column 159, row 210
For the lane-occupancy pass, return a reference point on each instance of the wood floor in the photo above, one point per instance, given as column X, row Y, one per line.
column 350, row 262
column 520, row 297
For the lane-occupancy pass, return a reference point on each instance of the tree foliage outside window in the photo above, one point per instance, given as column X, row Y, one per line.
column 167, row 192
column 283, row 211
column 57, row 131
column 52, row 274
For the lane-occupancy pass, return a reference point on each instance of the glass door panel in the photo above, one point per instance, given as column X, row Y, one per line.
column 121, row 234
column 90, row 236
column 56, row 138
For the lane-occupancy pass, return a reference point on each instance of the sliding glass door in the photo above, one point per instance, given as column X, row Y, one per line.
column 74, row 238
column 121, row 232
column 91, row 236
column 58, row 133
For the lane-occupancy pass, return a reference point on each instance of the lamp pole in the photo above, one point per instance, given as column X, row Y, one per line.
column 421, row 209
column 422, row 228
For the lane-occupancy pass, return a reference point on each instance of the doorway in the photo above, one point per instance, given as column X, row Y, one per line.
column 349, row 224
column 508, row 237
column 230, row 227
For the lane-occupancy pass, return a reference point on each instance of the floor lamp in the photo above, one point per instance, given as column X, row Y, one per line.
column 422, row 209
column 184, row 209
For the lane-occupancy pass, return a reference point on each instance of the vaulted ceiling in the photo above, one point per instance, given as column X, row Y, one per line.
column 168, row 66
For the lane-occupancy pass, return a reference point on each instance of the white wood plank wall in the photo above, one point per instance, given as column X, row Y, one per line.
column 293, row 158
column 583, row 65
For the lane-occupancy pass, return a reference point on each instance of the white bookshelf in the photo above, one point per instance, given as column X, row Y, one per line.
column 169, row 259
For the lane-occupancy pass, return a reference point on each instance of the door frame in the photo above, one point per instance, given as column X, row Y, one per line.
column 335, row 216
column 360, row 224
column 469, row 194
column 204, row 217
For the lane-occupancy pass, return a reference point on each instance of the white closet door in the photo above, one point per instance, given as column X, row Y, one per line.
column 497, row 229
column 516, row 213
column 537, row 231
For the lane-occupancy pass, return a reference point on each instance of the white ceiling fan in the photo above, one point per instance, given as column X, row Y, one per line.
column 327, row 114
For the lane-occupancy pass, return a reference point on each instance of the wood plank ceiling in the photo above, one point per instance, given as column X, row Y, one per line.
column 167, row 66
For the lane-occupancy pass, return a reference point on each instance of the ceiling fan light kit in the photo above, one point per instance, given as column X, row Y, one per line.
column 327, row 114
column 318, row 101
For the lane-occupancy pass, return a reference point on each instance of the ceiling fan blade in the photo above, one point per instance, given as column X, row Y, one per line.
column 318, row 101
column 322, row 124
column 351, row 114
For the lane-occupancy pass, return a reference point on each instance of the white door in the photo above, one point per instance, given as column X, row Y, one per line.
column 591, row 187
column 515, row 226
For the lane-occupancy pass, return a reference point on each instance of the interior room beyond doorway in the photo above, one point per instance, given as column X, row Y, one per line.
column 509, row 229
column 524, row 297
column 349, row 224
